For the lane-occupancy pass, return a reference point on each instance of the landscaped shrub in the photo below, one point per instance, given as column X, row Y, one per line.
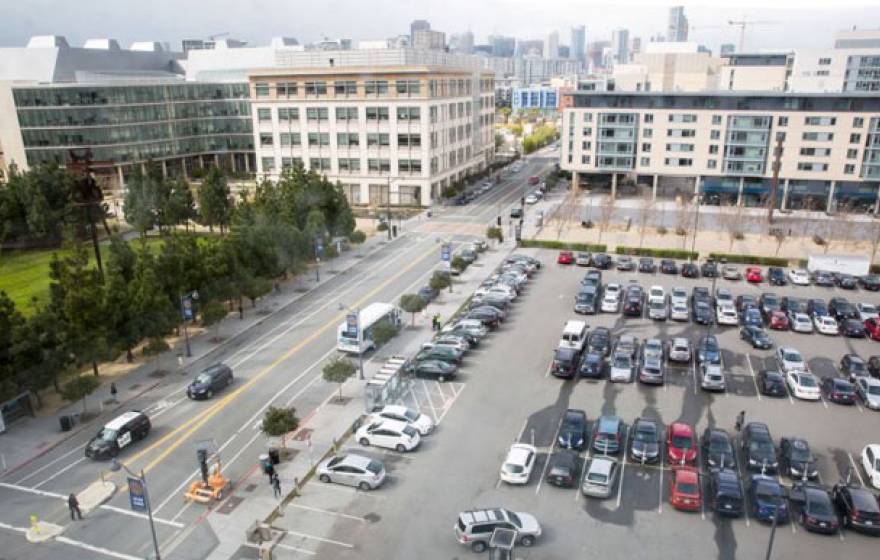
column 562, row 245
column 659, row 253
column 750, row 259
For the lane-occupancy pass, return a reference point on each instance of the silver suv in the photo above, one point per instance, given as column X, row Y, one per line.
column 474, row 528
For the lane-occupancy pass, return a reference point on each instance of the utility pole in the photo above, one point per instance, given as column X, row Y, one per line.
column 388, row 208
column 774, row 182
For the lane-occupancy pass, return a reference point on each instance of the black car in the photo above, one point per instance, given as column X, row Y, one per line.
column 858, row 508
column 487, row 318
column 874, row 366
column 668, row 266
column 708, row 350
column 818, row 514
column 838, row 390
column 603, row 261
column 563, row 469
column 870, row 282
column 817, row 308
column 768, row 303
column 592, row 278
column 633, row 301
column 443, row 353
column 644, row 444
column 853, row 366
column 437, row 370
column 498, row 301
column 758, row 448
column 745, row 300
column 690, row 270
column 573, row 430
column 771, row 383
column 701, row 313
column 725, row 493
column 625, row 264
column 118, row 434
column 592, row 366
column 565, row 361
column 709, row 269
column 794, row 305
column 646, row 264
column 428, row 293
column 599, row 341
column 841, row 309
column 796, row 459
column 845, row 281
column 853, row 328
column 823, row 278
column 776, row 276
column 757, row 337
column 211, row 380
column 718, row 449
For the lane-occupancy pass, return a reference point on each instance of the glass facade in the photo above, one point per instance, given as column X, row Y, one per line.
column 617, row 134
column 746, row 144
column 134, row 122
column 871, row 161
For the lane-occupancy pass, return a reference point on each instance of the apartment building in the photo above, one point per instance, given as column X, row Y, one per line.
column 720, row 146
column 390, row 135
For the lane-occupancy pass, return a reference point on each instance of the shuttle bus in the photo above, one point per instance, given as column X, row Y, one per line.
column 357, row 339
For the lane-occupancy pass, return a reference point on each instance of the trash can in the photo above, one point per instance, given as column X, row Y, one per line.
column 274, row 456
column 393, row 231
column 266, row 462
column 66, row 423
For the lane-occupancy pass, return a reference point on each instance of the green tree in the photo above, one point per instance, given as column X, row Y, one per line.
column 338, row 370
column 180, row 206
column 215, row 201
column 37, row 205
column 40, row 353
column 412, row 304
column 495, row 233
column 499, row 140
column 143, row 198
column 154, row 313
column 212, row 313
column 459, row 263
column 439, row 281
column 383, row 332
column 278, row 422
column 79, row 388
column 10, row 320
column 122, row 320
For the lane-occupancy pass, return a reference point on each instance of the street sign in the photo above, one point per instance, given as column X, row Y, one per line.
column 351, row 325
column 319, row 246
column 187, row 309
column 137, row 494
column 446, row 252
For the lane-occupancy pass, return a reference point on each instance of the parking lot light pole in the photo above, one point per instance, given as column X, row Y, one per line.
column 116, row 466
column 696, row 225
column 773, row 528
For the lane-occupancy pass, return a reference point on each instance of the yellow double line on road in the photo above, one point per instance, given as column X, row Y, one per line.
column 188, row 428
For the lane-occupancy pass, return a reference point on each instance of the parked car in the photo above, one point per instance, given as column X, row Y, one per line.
column 591, row 366
column 352, row 470
column 668, row 266
column 646, row 264
column 874, row 366
column 625, row 263
column 771, row 383
column 789, row 359
column 718, row 449
column 582, row 259
column 776, row 276
column 474, row 528
column 709, row 269
column 870, row 459
column 802, row 385
column 751, row 317
column 679, row 350
column 796, row 460
column 827, row 325
column 702, row 313
column 726, row 315
column 754, row 275
column 679, row 311
column 644, row 446
column 800, row 322
column 799, row 276
column 438, row 370
column 210, row 380
column 870, row 282
column 565, row 361
column 573, row 429
column 731, row 273
column 817, row 307
column 845, row 281
column 839, row 391
column 725, row 495
column 857, row 507
column 817, row 512
column 442, row 353
column 586, row 300
column 633, row 301
column 563, row 467
column 608, row 435
column 823, row 278
column 758, row 448
column 840, row 308
column 690, row 270
column 602, row 261
column 621, row 368
column 744, row 301
column 421, row 422
column 868, row 390
column 757, row 337
column 517, row 466
column 600, row 477
column 767, row 499
column 712, row 377
column 652, row 371
column 685, row 493
column 853, row 328
column 599, row 341
column 565, row 257
column 872, row 329
column 778, row 321
column 852, row 366
column 867, row 311
column 681, row 444
column 708, row 350
column 392, row 434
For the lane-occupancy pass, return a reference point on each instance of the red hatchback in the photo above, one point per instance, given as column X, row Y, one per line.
column 565, row 257
column 778, row 321
column 754, row 275
column 872, row 328
column 686, row 494
column 681, row 445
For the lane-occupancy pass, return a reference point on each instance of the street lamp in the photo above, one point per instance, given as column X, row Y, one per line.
column 357, row 314
column 116, row 466
column 696, row 225
column 186, row 311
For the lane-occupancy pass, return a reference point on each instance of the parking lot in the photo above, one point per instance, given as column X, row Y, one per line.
column 511, row 396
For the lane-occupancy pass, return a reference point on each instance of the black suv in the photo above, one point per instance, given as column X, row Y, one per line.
column 603, row 261
column 769, row 302
column 858, row 508
column 209, row 381
column 633, row 301
column 118, row 434
column 776, row 276
column 725, row 493
column 758, row 447
column 668, row 266
column 797, row 460
column 573, row 430
column 599, row 341
column 565, row 361
column 646, row 264
column 718, row 449
column 841, row 309
column 871, row 282
column 709, row 269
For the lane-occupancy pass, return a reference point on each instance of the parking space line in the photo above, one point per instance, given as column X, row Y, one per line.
column 856, row 469
column 320, row 539
column 694, row 370
column 577, row 494
column 858, row 406
column 449, row 406
column 60, row 472
column 327, row 512
column 288, row 547
column 622, row 469
column 752, row 373
column 430, row 402
column 660, row 505
column 442, row 394
column 549, row 369
column 549, row 455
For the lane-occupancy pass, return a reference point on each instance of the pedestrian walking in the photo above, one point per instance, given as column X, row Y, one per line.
column 240, row 312
column 113, row 391
column 73, row 505
column 740, row 420
column 276, row 485
column 270, row 471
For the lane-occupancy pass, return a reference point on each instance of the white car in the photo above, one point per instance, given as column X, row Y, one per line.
column 802, row 385
column 421, row 422
column 826, row 324
column 353, row 470
column 656, row 292
column 392, row 434
column 723, row 297
column 678, row 295
column 611, row 302
column 868, row 389
column 790, row 359
column 800, row 322
column 621, row 369
column 612, row 288
column 680, row 350
column 679, row 311
column 652, row 348
column 712, row 377
column 871, row 464
column 867, row 311
column 726, row 315
column 517, row 467
column 657, row 309
column 799, row 277
column 531, row 199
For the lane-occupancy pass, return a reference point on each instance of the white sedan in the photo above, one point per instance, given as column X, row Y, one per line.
column 867, row 311
column 799, row 276
column 531, row 199
column 802, row 385
column 517, row 467
column 611, row 302
column 726, row 315
column 800, row 322
column 871, row 463
column 826, row 324
column 421, row 422
column 392, row 434
column 789, row 359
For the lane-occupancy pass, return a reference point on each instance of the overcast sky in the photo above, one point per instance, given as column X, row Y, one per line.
column 799, row 23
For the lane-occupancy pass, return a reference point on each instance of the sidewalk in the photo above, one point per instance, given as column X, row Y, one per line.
column 327, row 427
column 29, row 438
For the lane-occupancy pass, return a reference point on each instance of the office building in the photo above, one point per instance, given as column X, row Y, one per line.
column 201, row 44
column 429, row 40
column 719, row 146
column 578, row 43
column 393, row 134
column 531, row 70
column 540, row 98
column 620, row 46
column 418, row 25
column 551, row 45
column 669, row 67
column 502, row 46
column 529, row 47
column 677, row 28
column 462, row 43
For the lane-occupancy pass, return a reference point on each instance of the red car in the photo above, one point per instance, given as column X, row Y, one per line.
column 754, row 275
column 778, row 321
column 565, row 257
column 872, row 328
column 681, row 444
column 686, row 494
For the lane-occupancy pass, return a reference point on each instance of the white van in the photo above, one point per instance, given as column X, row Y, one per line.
column 574, row 335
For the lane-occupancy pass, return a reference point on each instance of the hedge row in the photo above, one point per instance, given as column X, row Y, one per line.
column 875, row 269
column 659, row 253
column 562, row 245
column 750, row 259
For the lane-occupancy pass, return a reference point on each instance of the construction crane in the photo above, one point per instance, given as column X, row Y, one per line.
column 743, row 23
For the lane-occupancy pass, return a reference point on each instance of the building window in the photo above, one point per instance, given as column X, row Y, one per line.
column 268, row 164
column 782, row 121
column 712, row 163
column 685, row 118
column 317, row 114
column 409, row 140
column 818, row 136
column 285, row 90
column 432, row 111
column 377, row 113
column 855, row 138
column 288, row 114
column 408, row 87
column 858, row 122
column 348, row 164
column 716, row 119
column 713, row 148
column 290, row 139
column 378, row 165
column 852, row 153
column 264, row 115
column 820, row 121
column 681, row 132
column 352, row 192
column 715, row 134
column 261, row 89
column 780, row 137
column 435, row 165
column 409, row 166
column 587, row 131
column 679, row 147
column 408, row 113
column 817, row 152
column 266, row 139
column 379, row 194
column 646, row 146
column 588, row 117
column 648, row 133
column 347, row 139
column 585, row 160
column 376, row 87
column 346, row 113
column 810, row 166
column 347, row 87
column 319, row 164
column 824, row 61
column 645, row 161
column 319, row 139
column 586, row 145
column 649, row 118
column 849, row 169
column 290, row 162
column 377, row 139
column 316, row 88
column 679, row 162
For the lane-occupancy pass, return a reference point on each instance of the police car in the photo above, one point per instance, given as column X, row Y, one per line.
column 118, row 434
